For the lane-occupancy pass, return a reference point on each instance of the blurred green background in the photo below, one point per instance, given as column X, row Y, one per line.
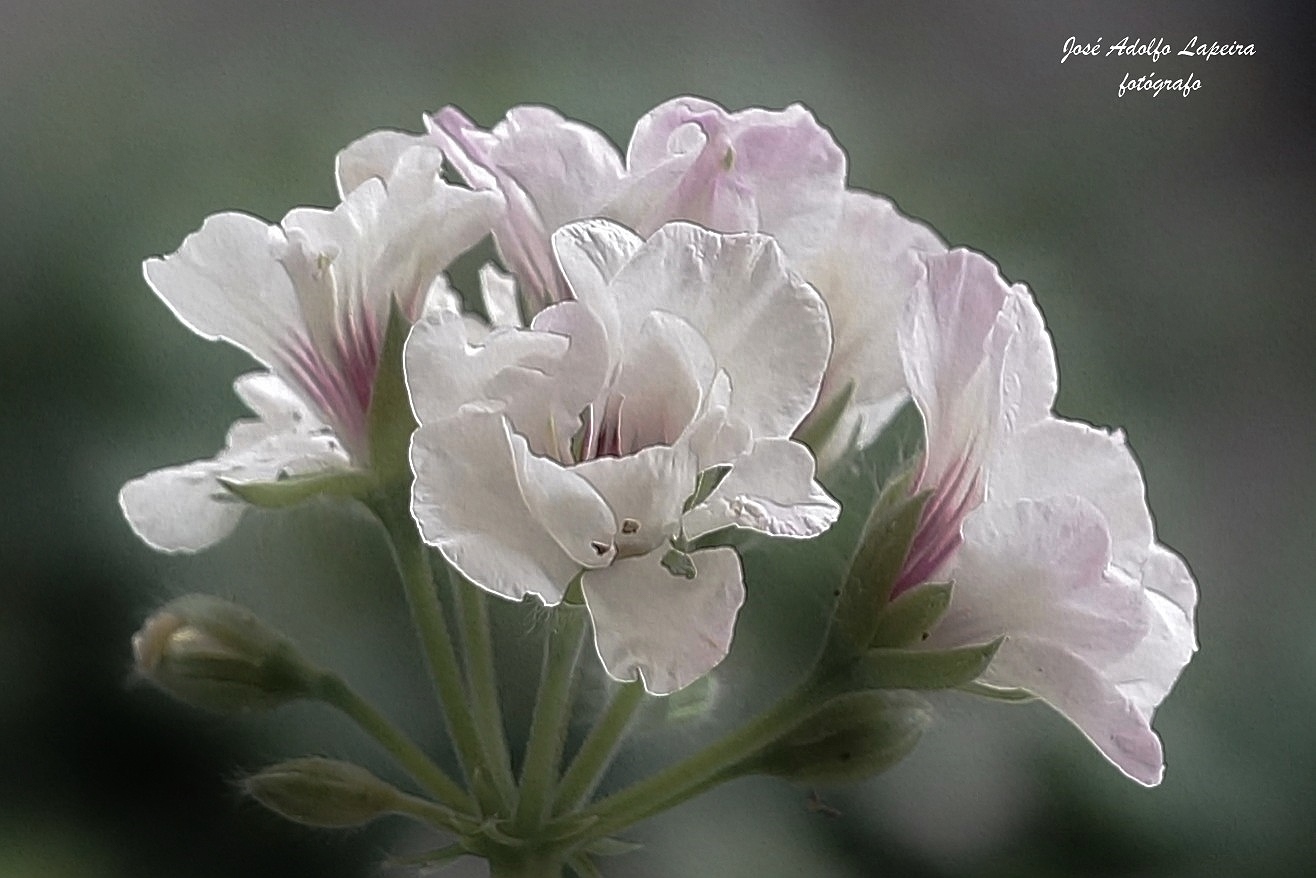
column 1167, row 240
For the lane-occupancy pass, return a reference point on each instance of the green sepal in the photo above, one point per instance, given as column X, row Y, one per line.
column 883, row 546
column 910, row 618
column 851, row 737
column 888, row 668
column 612, row 847
column 706, row 484
column 691, row 703
column 390, row 421
column 290, row 491
column 678, row 563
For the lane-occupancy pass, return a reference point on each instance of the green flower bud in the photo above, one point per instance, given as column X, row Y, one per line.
column 851, row 737
column 216, row 655
column 323, row 792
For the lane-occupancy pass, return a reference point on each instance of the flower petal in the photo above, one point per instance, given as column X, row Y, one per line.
column 565, row 504
column 770, row 489
column 186, row 508
column 1059, row 457
column 772, row 171
column 445, row 371
column 1038, row 573
column 667, row 629
column 550, row 170
column 468, row 502
column 952, row 359
column 644, row 490
column 768, row 329
column 225, row 282
column 373, row 155
column 866, row 275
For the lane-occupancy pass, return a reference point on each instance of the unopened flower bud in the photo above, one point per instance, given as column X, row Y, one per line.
column 852, row 737
column 323, row 792
column 217, row 655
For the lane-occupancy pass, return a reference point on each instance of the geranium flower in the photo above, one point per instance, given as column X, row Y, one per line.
column 1041, row 522
column 776, row 172
column 310, row 299
column 591, row 443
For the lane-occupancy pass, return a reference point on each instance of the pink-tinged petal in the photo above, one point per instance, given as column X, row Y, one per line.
column 186, row 508
column 565, row 504
column 866, row 275
column 1085, row 696
column 767, row 328
column 373, row 155
column 225, row 282
column 1029, row 377
column 467, row 501
column 952, row 359
column 1038, row 572
column 1148, row 673
column 645, row 492
column 772, row 171
column 770, row 489
column 1057, row 457
column 550, row 171
column 668, row 630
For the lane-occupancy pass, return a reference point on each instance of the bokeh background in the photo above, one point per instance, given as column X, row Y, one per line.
column 1168, row 240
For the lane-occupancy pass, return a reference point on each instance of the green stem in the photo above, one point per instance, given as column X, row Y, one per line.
column 432, row 813
column 548, row 728
column 482, row 681
column 709, row 767
column 427, row 614
column 333, row 690
column 599, row 748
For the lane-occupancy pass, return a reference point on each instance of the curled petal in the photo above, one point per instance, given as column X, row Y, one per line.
column 445, row 371
column 1039, row 573
column 667, row 629
column 772, row 171
column 468, row 502
column 765, row 327
column 374, row 155
column 770, row 489
column 1058, row 457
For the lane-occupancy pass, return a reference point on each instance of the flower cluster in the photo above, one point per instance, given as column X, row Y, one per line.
column 678, row 341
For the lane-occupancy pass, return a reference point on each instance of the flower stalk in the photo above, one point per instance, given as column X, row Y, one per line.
column 548, row 728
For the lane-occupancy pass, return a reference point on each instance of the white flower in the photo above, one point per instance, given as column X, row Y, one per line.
column 574, row 447
column 310, row 300
column 1041, row 522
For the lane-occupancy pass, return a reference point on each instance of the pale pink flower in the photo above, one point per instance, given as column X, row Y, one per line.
column 1041, row 522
